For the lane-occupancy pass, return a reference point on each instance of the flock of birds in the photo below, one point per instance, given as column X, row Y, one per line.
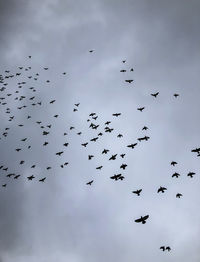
column 25, row 101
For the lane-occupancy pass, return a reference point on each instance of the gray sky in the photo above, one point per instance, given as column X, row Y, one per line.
column 63, row 219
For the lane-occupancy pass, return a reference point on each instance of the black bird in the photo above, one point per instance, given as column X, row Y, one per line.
column 52, row 101
column 108, row 130
column 59, row 153
column 143, row 138
column 129, row 81
column 155, row 95
column 140, row 108
column 92, row 114
column 45, row 143
column 123, row 70
column 117, row 177
column 122, row 155
column 105, row 151
column 90, row 182
column 99, row 167
column 4, row 185
column 196, row 150
column 145, row 128
column 176, row 95
column 77, row 104
column 173, row 163
column 178, row 195
column 168, row 249
column 137, row 192
column 79, row 133
column 161, row 189
column 16, row 177
column 120, row 135
column 132, row 145
column 90, row 157
column 131, row 70
column 66, row 144
column 45, row 133
column 191, row 174
column 85, row 144
column 91, row 51
column 94, row 139
column 113, row 157
column 30, row 177
column 142, row 219
column 176, row 175
column 107, row 123
column 162, row 248
column 42, row 179
column 123, row 166
column 116, row 114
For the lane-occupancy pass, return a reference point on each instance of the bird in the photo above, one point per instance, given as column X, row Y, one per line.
column 94, row 139
column 59, row 153
column 132, row 145
column 178, row 195
column 176, row 175
column 117, row 177
column 191, row 174
column 176, row 95
column 140, row 108
column 123, row 71
column 116, row 114
column 161, row 189
column 91, row 51
column 155, row 94
column 162, row 248
column 99, row 167
column 85, row 144
column 168, row 248
column 42, row 179
column 90, row 182
column 122, row 155
column 123, row 166
column 113, row 157
column 137, row 192
column 145, row 128
column 173, row 163
column 129, row 81
column 142, row 219
column 105, row 151
column 143, row 138
column 90, row 157
column 30, row 177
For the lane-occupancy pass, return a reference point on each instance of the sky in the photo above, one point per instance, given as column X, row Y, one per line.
column 63, row 219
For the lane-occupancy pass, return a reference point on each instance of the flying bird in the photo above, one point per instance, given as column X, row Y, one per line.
column 137, row 192
column 142, row 219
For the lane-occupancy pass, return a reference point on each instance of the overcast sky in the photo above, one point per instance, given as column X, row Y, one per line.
column 63, row 219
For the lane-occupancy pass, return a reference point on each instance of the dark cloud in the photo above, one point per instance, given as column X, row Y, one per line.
column 63, row 219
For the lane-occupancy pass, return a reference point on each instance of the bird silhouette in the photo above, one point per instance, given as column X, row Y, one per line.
column 142, row 219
